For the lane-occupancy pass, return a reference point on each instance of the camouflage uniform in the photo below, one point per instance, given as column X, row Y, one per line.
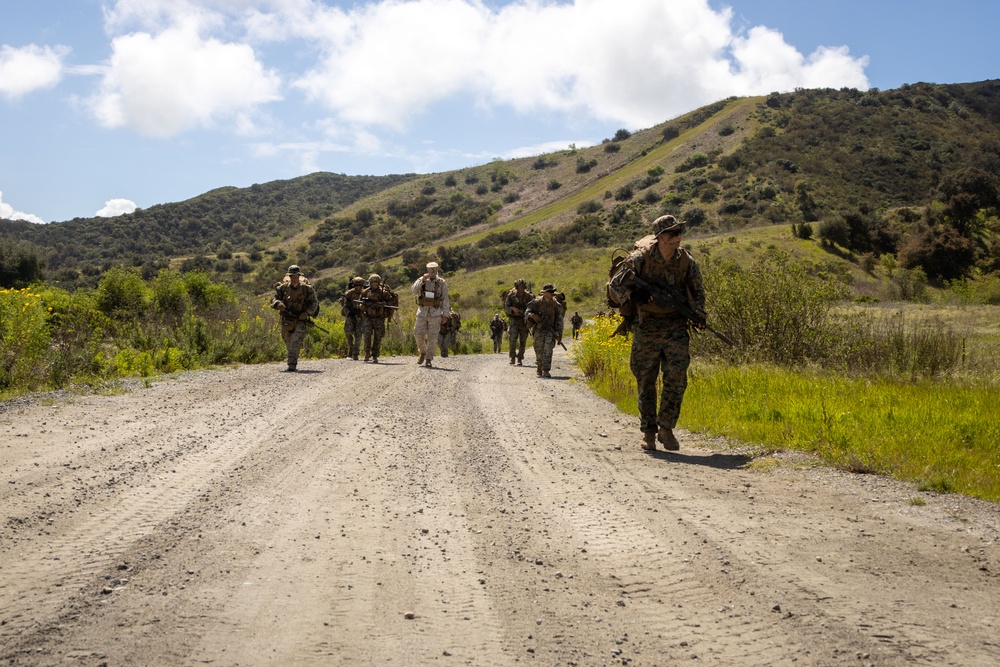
column 374, row 300
column 547, row 314
column 432, row 304
column 497, row 327
column 518, row 336
column 445, row 336
column 576, row 321
column 296, row 303
column 353, row 317
column 661, row 335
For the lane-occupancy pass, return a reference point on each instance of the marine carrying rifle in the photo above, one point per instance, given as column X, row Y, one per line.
column 545, row 325
column 369, row 302
column 668, row 296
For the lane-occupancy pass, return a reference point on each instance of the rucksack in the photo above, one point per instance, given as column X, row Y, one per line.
column 624, row 305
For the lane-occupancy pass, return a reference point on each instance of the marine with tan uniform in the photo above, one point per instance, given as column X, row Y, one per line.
column 296, row 300
column 661, row 336
column 433, row 308
column 378, row 303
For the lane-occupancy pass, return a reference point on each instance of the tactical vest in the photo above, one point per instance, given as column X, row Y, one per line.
column 674, row 272
column 426, row 301
column 294, row 298
column 514, row 301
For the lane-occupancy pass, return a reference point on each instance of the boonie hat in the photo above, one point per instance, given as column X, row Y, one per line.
column 666, row 223
column 520, row 283
column 294, row 270
column 549, row 287
column 432, row 265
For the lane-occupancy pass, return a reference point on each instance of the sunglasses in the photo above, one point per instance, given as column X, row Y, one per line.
column 672, row 233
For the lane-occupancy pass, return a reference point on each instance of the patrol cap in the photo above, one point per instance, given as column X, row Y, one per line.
column 294, row 270
column 549, row 287
column 374, row 278
column 432, row 266
column 666, row 223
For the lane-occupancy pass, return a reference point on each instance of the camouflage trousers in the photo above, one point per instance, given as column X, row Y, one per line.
column 352, row 334
column 373, row 330
column 544, row 342
column 293, row 342
column 446, row 341
column 518, row 337
column 425, row 330
column 660, row 345
column 497, row 341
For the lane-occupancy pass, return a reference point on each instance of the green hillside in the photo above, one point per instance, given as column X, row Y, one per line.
column 908, row 173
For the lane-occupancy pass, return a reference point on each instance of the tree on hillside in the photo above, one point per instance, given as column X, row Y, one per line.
column 965, row 193
column 20, row 263
column 939, row 250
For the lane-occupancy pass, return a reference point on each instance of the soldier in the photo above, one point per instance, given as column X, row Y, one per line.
column 378, row 303
column 497, row 327
column 448, row 337
column 546, row 316
column 576, row 322
column 445, row 334
column 513, row 305
column 661, row 337
column 353, row 316
column 432, row 311
column 296, row 300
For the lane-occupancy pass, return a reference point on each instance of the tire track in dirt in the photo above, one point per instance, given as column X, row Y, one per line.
column 295, row 518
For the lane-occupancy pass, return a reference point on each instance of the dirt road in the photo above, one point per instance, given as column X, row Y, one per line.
column 470, row 514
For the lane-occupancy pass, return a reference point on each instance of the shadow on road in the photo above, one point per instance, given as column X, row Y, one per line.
column 719, row 461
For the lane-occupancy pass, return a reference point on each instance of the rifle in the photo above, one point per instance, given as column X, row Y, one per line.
column 309, row 322
column 366, row 302
column 545, row 325
column 668, row 296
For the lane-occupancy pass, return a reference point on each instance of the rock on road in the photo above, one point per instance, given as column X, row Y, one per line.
column 469, row 514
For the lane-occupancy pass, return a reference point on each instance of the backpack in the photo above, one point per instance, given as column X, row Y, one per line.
column 623, row 303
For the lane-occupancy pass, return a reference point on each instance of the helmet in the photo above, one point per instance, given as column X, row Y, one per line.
column 294, row 270
column 375, row 278
column 357, row 280
column 520, row 283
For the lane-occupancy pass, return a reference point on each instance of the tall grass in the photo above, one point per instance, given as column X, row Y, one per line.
column 866, row 390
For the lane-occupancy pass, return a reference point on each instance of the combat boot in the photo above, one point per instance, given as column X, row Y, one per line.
column 649, row 441
column 546, row 374
column 374, row 360
column 512, row 361
column 667, row 439
column 420, row 359
column 368, row 357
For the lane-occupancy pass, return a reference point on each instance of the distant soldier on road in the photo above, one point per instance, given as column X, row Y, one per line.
column 514, row 304
column 296, row 300
column 353, row 316
column 432, row 311
column 661, row 336
column 576, row 322
column 497, row 328
column 545, row 314
column 378, row 303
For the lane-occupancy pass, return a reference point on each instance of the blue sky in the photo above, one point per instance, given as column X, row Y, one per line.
column 106, row 105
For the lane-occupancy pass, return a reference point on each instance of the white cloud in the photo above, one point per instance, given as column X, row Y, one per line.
column 29, row 68
column 7, row 212
column 636, row 62
column 115, row 207
column 176, row 80
column 382, row 63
